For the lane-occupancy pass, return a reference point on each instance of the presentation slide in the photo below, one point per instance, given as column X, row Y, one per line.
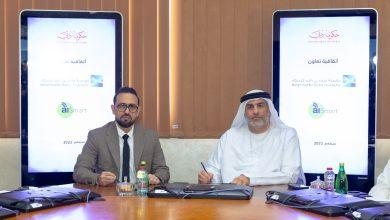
column 324, row 89
column 71, row 83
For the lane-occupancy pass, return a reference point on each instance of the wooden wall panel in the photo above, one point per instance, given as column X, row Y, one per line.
column 280, row 5
column 200, row 44
column 149, row 74
column 35, row 4
column 255, row 59
column 213, row 65
column 228, row 103
column 108, row 5
column 149, row 60
column 3, row 128
column 26, row 3
column 11, row 81
column 163, row 68
column 240, row 46
column 136, row 44
column 54, row 4
column 174, row 64
column 362, row 3
column 81, row 5
column 343, row 4
column 186, row 86
column 137, row 51
column 67, row 4
column 301, row 4
column 322, row 4
column 94, row 5
column 267, row 10
column 124, row 8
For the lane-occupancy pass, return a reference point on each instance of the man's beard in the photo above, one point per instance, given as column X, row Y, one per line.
column 125, row 123
column 263, row 122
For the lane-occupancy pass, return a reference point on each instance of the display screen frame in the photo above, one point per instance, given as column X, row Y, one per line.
column 356, row 182
column 54, row 178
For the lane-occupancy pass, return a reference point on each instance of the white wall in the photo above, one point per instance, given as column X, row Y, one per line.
column 10, row 163
column 183, row 156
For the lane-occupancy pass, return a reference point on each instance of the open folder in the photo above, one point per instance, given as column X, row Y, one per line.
column 215, row 191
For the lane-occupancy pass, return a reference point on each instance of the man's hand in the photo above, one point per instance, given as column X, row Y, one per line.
column 154, row 180
column 241, row 180
column 106, row 178
column 204, row 177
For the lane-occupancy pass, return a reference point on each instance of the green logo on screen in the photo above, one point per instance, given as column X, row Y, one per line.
column 316, row 110
column 65, row 110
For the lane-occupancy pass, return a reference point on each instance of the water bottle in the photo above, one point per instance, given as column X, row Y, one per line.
column 341, row 180
column 142, row 180
column 329, row 177
column 317, row 184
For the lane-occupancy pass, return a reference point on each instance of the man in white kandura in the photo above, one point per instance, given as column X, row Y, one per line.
column 259, row 149
column 381, row 190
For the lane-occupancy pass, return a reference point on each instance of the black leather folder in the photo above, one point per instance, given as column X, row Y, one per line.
column 372, row 213
column 320, row 201
column 28, row 200
column 214, row 191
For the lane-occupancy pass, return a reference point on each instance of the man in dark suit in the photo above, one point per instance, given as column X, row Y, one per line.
column 114, row 152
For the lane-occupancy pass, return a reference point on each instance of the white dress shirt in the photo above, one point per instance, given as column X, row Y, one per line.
column 130, row 141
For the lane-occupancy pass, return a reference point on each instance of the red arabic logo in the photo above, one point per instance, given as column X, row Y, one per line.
column 324, row 34
column 72, row 35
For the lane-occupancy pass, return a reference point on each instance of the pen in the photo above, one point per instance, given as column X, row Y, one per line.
column 204, row 168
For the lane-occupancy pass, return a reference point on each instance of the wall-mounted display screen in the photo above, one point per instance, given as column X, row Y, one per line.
column 71, row 66
column 324, row 85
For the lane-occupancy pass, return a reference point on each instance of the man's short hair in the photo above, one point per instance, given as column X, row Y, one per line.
column 126, row 90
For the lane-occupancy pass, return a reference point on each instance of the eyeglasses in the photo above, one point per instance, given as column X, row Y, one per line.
column 122, row 107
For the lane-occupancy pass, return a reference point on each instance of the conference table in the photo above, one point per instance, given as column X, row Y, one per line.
column 135, row 207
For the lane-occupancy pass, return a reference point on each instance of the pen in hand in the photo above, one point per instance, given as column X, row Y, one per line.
column 205, row 178
column 204, row 168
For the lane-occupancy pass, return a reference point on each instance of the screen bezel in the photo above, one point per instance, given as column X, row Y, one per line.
column 356, row 182
column 54, row 178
